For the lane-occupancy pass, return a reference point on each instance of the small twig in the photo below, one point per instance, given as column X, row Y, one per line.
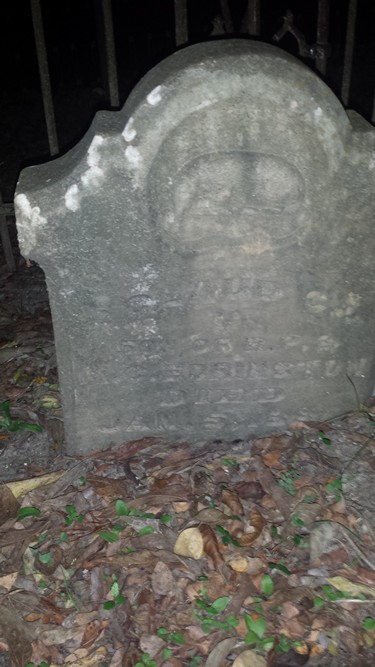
column 358, row 551
column 359, row 405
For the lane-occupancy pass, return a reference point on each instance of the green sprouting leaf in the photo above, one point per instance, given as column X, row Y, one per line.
column 36, row 428
column 167, row 653
column 286, row 481
column 280, row 567
column 109, row 604
column 297, row 521
column 46, row 558
column 231, row 463
column 255, row 625
column 162, row 632
column 109, row 535
column 251, row 638
column 121, row 508
column 219, row 605
column 283, row 645
column 28, row 511
column 259, row 627
column 267, row 644
column 209, row 624
column 42, row 585
column 267, row 585
column 72, row 515
column 120, row 599
column 49, row 402
column 166, row 519
column 147, row 660
column 368, row 623
column 63, row 537
column 318, row 602
column 176, row 638
column 226, row 537
column 335, row 485
column 115, row 590
column 82, row 480
column 147, row 530
column 146, row 515
column 39, row 541
column 325, row 441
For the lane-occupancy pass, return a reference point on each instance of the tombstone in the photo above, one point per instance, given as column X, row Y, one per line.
column 208, row 252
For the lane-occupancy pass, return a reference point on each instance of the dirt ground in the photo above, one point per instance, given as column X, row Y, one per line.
column 249, row 553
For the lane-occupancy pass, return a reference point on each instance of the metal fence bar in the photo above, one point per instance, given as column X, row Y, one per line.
column 181, row 22
column 5, row 239
column 45, row 81
column 110, row 53
column 227, row 16
column 251, row 20
column 373, row 110
column 322, row 35
column 349, row 48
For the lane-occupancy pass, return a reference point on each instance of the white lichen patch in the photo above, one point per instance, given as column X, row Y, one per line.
column 92, row 177
column 72, row 198
column 318, row 112
column 327, row 344
column 129, row 132
column 349, row 307
column 29, row 221
column 133, row 156
column 204, row 104
column 93, row 154
column 257, row 246
column 372, row 161
column 66, row 293
column 155, row 96
column 293, row 340
column 294, row 104
column 316, row 302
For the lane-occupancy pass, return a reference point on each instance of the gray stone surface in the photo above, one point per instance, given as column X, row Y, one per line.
column 208, row 252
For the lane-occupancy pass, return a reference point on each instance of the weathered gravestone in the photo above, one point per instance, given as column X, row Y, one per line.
column 208, row 252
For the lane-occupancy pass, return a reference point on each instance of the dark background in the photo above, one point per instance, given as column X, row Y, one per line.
column 144, row 35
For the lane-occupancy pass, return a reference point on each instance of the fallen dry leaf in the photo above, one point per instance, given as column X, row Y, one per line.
column 23, row 486
column 346, row 586
column 190, row 543
column 219, row 652
column 249, row 659
column 272, row 459
column 9, row 506
column 232, row 500
column 256, row 521
column 162, row 579
column 211, row 545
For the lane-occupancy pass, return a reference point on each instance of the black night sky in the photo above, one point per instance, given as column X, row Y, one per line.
column 144, row 35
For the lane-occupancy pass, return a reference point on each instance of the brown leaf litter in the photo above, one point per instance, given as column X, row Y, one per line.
column 278, row 563
column 95, row 577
